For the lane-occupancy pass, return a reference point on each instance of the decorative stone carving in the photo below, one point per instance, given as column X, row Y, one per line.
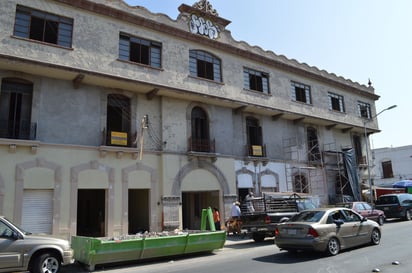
column 206, row 7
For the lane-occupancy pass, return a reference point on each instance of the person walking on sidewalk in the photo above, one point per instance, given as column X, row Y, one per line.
column 233, row 224
column 216, row 218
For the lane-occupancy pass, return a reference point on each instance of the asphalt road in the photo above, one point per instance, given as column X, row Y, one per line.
column 242, row 255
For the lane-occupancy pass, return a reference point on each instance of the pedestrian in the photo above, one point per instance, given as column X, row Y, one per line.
column 216, row 218
column 236, row 210
column 233, row 224
column 249, row 202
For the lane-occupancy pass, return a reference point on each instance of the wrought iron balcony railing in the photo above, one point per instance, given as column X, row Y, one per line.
column 23, row 129
column 201, row 145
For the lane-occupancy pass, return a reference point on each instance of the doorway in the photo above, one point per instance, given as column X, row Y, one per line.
column 192, row 205
column 139, row 208
column 91, row 212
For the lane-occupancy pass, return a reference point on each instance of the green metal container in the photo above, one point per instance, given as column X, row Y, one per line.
column 93, row 251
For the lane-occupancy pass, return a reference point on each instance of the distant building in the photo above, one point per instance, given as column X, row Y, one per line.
column 116, row 120
column 391, row 165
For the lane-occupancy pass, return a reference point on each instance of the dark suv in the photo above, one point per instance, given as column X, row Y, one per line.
column 396, row 205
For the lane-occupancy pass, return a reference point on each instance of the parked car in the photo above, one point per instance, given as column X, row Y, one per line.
column 366, row 210
column 22, row 251
column 396, row 205
column 326, row 230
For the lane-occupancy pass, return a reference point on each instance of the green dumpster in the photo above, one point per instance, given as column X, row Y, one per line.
column 92, row 251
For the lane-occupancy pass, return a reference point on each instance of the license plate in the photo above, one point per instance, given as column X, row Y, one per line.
column 385, row 208
column 291, row 231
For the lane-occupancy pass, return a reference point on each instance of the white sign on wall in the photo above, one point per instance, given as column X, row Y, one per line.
column 202, row 26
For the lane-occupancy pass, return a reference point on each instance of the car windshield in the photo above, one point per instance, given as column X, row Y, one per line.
column 345, row 205
column 387, row 200
column 312, row 216
column 19, row 228
column 367, row 206
column 305, row 204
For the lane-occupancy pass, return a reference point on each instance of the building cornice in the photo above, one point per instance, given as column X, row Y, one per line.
column 242, row 49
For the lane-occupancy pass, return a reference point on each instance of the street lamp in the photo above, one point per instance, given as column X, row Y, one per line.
column 367, row 148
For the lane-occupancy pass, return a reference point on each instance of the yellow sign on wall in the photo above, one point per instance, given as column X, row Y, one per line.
column 257, row 150
column 118, row 138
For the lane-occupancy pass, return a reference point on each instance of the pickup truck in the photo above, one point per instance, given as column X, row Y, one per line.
column 269, row 210
column 22, row 251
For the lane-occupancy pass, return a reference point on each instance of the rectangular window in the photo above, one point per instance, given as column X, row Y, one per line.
column 336, row 102
column 15, row 109
column 44, row 27
column 387, row 169
column 204, row 65
column 364, row 110
column 256, row 80
column 301, row 92
column 140, row 50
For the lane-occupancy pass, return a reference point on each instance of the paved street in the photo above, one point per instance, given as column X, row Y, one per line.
column 243, row 255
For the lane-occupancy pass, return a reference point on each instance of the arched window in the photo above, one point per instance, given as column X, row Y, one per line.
column 15, row 109
column 200, row 141
column 118, row 120
column 300, row 184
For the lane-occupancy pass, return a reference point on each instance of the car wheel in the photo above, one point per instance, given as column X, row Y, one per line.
column 46, row 263
column 381, row 220
column 407, row 215
column 333, row 246
column 375, row 237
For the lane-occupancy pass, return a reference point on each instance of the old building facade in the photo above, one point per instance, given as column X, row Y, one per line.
column 116, row 120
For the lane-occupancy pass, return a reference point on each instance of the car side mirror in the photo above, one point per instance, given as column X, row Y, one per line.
column 15, row 236
column 338, row 222
column 364, row 219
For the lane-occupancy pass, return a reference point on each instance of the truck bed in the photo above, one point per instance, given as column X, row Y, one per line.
column 268, row 212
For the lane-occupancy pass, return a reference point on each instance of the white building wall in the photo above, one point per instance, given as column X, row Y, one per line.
column 401, row 159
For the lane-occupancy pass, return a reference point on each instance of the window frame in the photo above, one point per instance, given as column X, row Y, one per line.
column 336, row 102
column 301, row 93
column 259, row 79
column 366, row 112
column 387, row 170
column 300, row 183
column 16, row 101
column 149, row 52
column 205, row 65
column 118, row 117
column 25, row 28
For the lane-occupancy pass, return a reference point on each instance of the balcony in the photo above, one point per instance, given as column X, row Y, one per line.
column 119, row 139
column 119, row 143
column 201, row 145
column 256, row 150
column 23, row 129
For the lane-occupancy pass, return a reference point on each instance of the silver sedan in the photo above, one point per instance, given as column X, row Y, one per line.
column 327, row 230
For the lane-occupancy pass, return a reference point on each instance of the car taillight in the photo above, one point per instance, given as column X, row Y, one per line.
column 277, row 232
column 399, row 207
column 313, row 232
column 267, row 219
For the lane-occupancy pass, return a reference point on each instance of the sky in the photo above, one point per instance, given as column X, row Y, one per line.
column 355, row 39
